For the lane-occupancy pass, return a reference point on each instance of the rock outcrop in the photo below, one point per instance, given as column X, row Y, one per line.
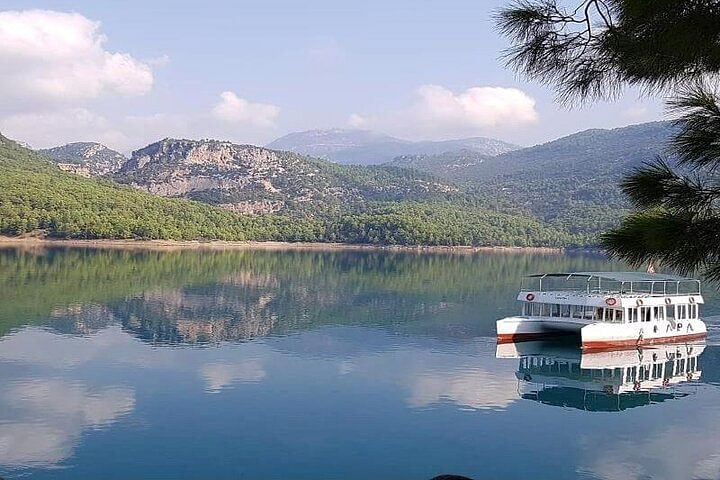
column 255, row 180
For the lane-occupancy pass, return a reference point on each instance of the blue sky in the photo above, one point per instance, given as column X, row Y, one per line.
column 250, row 71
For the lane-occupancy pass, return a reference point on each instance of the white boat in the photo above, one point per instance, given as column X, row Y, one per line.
column 608, row 310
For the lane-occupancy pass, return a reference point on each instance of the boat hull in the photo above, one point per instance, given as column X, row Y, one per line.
column 600, row 336
column 520, row 329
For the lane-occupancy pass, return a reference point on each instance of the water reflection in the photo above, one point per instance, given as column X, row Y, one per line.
column 209, row 297
column 561, row 374
column 352, row 365
column 43, row 418
column 219, row 376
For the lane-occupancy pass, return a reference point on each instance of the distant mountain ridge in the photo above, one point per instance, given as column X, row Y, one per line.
column 365, row 147
column 90, row 159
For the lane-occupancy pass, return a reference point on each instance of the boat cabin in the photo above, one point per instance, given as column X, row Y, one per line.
column 611, row 297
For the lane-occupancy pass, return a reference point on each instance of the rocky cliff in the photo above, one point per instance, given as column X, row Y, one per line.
column 256, row 180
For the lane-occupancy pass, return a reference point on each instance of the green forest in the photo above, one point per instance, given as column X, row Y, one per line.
column 37, row 198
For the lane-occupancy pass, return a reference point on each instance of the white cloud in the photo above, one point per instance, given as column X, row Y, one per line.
column 357, row 121
column 476, row 107
column 234, row 109
column 57, row 57
column 438, row 112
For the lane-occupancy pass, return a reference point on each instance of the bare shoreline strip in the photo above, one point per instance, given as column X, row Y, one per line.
column 169, row 245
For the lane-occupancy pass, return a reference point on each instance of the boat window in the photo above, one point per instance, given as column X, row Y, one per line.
column 589, row 311
column 670, row 313
column 658, row 313
column 565, row 310
column 618, row 316
column 556, row 310
column 693, row 311
column 645, row 314
column 535, row 309
column 598, row 314
column 546, row 309
column 681, row 312
column 632, row 315
column 577, row 311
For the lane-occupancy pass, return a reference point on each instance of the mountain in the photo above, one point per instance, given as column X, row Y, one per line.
column 256, row 180
column 572, row 181
column 366, row 147
column 39, row 199
column 85, row 158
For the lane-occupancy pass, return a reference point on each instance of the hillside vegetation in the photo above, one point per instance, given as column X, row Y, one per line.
column 572, row 182
column 35, row 195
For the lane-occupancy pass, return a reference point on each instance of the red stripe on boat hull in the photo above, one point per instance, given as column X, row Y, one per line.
column 615, row 344
column 526, row 337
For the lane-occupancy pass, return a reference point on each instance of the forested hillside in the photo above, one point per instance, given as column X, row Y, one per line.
column 572, row 182
column 35, row 195
column 38, row 198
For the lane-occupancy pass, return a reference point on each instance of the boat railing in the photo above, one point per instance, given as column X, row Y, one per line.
column 599, row 286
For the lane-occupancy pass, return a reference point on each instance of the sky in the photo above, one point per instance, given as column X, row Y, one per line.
column 128, row 73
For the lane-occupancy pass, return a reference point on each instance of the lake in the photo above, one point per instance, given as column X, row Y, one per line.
column 324, row 365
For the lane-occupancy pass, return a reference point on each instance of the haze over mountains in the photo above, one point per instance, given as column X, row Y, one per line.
column 365, row 147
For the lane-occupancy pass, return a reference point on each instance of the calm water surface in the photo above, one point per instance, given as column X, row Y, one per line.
column 340, row 365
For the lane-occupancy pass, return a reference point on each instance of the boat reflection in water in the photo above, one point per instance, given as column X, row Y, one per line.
column 563, row 375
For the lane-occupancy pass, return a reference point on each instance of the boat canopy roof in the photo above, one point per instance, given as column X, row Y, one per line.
column 619, row 276
column 613, row 283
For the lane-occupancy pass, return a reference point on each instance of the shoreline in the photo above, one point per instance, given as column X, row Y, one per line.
column 170, row 245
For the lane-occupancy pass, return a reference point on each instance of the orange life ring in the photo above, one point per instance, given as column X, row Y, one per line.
column 610, row 301
column 639, row 302
column 668, row 301
column 692, row 299
column 530, row 297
